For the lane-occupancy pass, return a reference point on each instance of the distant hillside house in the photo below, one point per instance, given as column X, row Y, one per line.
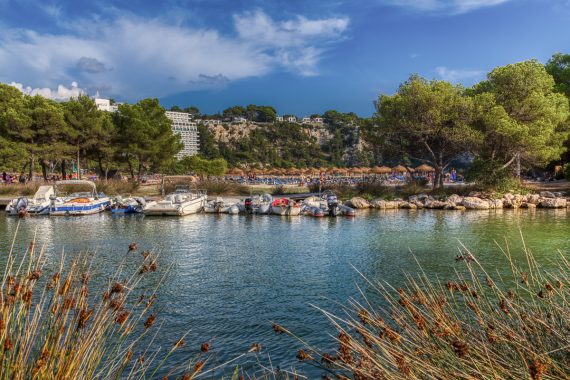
column 279, row 118
column 183, row 125
column 239, row 119
column 292, row 119
column 306, row 120
column 318, row 120
column 105, row 105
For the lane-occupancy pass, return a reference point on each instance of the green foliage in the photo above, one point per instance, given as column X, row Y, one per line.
column 559, row 67
column 208, row 147
column 566, row 171
column 519, row 113
column 491, row 175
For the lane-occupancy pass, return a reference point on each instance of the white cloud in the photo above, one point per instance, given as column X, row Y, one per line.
column 459, row 75
column 62, row 92
column 445, row 6
column 155, row 57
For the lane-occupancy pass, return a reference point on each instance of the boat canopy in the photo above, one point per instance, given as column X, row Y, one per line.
column 76, row 182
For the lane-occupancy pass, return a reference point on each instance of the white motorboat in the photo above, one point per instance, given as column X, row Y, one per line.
column 181, row 202
column 329, row 204
column 38, row 205
column 77, row 203
column 257, row 204
column 285, row 206
column 129, row 205
column 222, row 206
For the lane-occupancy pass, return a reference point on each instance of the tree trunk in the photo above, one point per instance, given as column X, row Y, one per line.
column 78, row 168
column 63, row 173
column 31, row 172
column 131, row 169
column 44, row 168
column 101, row 171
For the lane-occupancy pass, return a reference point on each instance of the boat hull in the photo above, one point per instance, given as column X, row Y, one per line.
column 169, row 209
column 286, row 210
column 78, row 209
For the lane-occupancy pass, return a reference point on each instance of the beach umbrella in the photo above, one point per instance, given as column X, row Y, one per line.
column 399, row 169
column 235, row 171
column 365, row 169
column 425, row 168
column 381, row 170
column 294, row 171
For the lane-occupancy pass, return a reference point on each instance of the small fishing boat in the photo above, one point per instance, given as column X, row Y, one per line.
column 77, row 203
column 328, row 202
column 285, row 206
column 222, row 206
column 129, row 205
column 257, row 204
column 181, row 202
column 38, row 205
column 313, row 211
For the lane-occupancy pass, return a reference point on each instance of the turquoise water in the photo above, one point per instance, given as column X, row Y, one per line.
column 233, row 276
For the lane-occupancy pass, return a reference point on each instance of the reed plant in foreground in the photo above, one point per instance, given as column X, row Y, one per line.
column 477, row 325
column 57, row 326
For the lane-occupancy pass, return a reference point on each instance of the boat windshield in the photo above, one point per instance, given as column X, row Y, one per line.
column 80, row 194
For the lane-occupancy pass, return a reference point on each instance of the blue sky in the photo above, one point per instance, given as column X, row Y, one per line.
column 301, row 56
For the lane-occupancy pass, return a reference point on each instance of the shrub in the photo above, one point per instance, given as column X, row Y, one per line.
column 566, row 171
column 477, row 325
column 16, row 189
column 113, row 187
column 278, row 190
column 490, row 175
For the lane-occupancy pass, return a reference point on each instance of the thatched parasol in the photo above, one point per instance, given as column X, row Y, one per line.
column 365, row 169
column 381, row 170
column 235, row 171
column 424, row 168
column 294, row 171
column 399, row 169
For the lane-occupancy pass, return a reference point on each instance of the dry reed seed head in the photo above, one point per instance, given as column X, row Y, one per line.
column 149, row 321
column 133, row 247
column 524, row 278
column 65, row 287
column 401, row 363
column 32, row 245
column 364, row 316
column 302, row 355
column 460, row 348
column 34, row 275
column 151, row 300
column 344, row 351
column 186, row 377
column 68, row 303
column 145, row 254
column 84, row 316
column 8, row 345
column 122, row 317
column 116, row 303
column 205, row 347
column 179, row 343
column 327, row 359
column 16, row 289
column 84, row 279
column 255, row 347
column 117, row 288
column 1, row 325
column 511, row 295
column 559, row 284
column 548, row 286
column 10, row 280
column 490, row 282
column 419, row 298
column 198, row 366
column 27, row 297
column 141, row 359
column 153, row 266
column 278, row 329
column 143, row 269
column 504, row 306
column 452, row 286
column 537, row 369
column 105, row 296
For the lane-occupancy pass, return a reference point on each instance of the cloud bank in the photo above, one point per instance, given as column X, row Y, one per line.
column 135, row 57
column 61, row 93
column 459, row 75
column 444, row 6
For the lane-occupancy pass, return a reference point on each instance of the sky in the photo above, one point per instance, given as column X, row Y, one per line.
column 300, row 56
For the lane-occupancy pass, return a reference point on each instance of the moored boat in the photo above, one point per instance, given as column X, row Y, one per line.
column 79, row 202
column 129, row 205
column 257, row 204
column 37, row 205
column 285, row 206
column 222, row 206
column 181, row 202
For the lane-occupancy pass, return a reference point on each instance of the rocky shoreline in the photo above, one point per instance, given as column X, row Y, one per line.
column 474, row 201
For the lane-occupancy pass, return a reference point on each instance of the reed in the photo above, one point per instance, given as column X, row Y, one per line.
column 19, row 189
column 56, row 325
column 477, row 325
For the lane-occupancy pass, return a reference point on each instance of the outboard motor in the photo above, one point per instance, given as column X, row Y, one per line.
column 22, row 206
column 248, row 203
column 332, row 205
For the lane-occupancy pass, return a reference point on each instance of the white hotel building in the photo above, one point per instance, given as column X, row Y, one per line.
column 182, row 125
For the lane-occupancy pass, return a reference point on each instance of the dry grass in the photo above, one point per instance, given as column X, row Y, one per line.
column 474, row 326
column 19, row 189
column 57, row 326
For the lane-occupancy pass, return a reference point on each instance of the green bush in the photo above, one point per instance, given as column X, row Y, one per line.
column 490, row 175
column 566, row 171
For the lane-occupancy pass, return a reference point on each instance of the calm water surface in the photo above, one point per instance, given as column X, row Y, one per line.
column 235, row 275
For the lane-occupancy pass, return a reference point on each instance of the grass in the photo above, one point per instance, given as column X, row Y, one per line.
column 57, row 326
column 474, row 326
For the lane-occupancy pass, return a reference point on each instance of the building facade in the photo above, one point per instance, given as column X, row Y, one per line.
column 183, row 125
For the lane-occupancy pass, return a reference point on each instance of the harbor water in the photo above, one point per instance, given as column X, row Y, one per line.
column 232, row 276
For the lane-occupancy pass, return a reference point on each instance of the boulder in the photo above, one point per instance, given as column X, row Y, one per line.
column 553, row 203
column 384, row 205
column 495, row 203
column 438, row 204
column 455, row 199
column 509, row 197
column 358, row 203
column 547, row 194
column 459, row 208
column 408, row 206
column 473, row 203
column 528, row 205
column 533, row 198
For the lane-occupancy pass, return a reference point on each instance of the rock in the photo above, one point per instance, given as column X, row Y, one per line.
column 495, row 203
column 474, row 194
column 418, row 204
column 533, row 198
column 358, row 203
column 553, row 203
column 509, row 197
column 459, row 208
column 438, row 204
column 473, row 203
column 547, row 194
column 528, row 205
column 455, row 199
column 408, row 206
column 384, row 205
